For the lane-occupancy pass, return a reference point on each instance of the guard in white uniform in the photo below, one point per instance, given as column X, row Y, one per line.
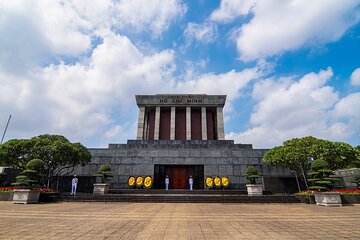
column 191, row 182
column 74, row 183
column 167, row 181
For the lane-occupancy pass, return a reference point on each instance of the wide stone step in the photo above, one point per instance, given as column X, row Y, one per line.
column 177, row 191
column 180, row 198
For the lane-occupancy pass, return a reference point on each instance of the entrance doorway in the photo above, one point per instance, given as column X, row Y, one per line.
column 179, row 176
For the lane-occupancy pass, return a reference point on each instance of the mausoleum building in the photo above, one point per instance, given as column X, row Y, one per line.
column 182, row 135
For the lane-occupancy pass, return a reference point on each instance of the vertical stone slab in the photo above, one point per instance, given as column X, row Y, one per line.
column 188, row 123
column 220, row 123
column 157, row 123
column 140, row 129
column 203, row 124
column 172, row 123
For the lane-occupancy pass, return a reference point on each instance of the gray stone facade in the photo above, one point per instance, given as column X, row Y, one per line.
column 347, row 176
column 219, row 158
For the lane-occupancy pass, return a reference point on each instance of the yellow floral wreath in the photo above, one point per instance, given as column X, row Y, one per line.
column 139, row 181
column 225, row 181
column 209, row 182
column 148, row 182
column 217, row 181
column 131, row 181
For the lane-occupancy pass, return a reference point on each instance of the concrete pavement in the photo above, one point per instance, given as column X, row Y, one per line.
column 177, row 221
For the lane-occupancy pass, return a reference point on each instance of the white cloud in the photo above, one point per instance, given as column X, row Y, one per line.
column 288, row 108
column 348, row 107
column 155, row 15
column 31, row 29
column 81, row 100
column 355, row 77
column 39, row 31
column 116, row 131
column 206, row 32
column 230, row 9
column 277, row 26
column 230, row 83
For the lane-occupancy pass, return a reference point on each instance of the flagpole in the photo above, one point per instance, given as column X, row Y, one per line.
column 7, row 124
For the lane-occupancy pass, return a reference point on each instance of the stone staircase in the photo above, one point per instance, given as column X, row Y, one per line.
column 179, row 196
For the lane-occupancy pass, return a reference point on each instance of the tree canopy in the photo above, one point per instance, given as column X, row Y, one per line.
column 59, row 155
column 16, row 153
column 299, row 152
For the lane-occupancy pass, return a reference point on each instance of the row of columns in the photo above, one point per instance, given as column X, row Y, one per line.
column 219, row 123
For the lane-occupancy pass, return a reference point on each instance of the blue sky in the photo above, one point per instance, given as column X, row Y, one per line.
column 289, row 68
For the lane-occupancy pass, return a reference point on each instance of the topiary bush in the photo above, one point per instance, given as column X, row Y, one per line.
column 32, row 175
column 104, row 172
column 252, row 174
column 320, row 176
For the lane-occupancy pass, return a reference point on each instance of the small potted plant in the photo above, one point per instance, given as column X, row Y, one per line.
column 28, row 183
column 104, row 173
column 252, row 187
column 322, row 183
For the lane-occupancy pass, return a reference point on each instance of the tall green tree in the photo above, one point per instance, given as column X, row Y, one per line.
column 294, row 154
column 297, row 154
column 59, row 155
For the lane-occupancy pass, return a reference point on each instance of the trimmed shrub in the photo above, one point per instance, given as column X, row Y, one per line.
column 320, row 176
column 104, row 173
column 30, row 178
column 252, row 174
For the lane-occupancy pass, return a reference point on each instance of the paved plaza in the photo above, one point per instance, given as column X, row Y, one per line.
column 177, row 221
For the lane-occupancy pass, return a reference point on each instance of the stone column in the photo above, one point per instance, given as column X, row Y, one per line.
column 157, row 123
column 203, row 123
column 140, row 129
column 172, row 123
column 220, row 123
column 146, row 127
column 188, row 123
